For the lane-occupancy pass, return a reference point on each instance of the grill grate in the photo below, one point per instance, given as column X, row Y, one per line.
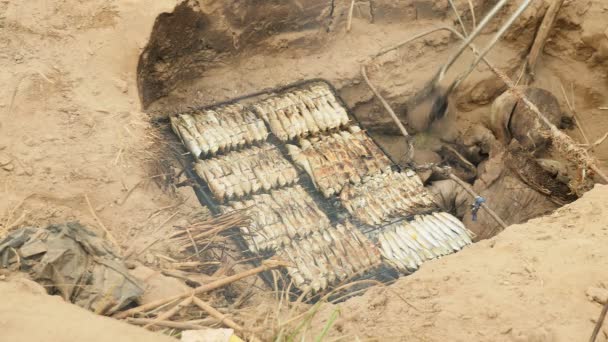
column 323, row 195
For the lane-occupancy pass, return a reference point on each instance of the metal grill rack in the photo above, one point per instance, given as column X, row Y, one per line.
column 323, row 194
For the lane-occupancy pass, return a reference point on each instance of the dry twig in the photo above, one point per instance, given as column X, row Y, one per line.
column 472, row 9
column 464, row 30
column 221, row 317
column 598, row 142
column 599, row 323
column 541, row 38
column 170, row 313
column 349, row 21
column 100, row 223
column 576, row 120
column 167, row 324
column 410, row 146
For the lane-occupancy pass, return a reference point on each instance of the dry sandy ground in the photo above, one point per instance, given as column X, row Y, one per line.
column 27, row 313
column 71, row 125
column 70, row 119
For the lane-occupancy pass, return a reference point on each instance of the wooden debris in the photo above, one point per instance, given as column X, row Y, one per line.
column 541, row 39
column 203, row 233
column 599, row 323
column 266, row 266
column 170, row 313
column 410, row 152
column 167, row 324
column 109, row 235
column 464, row 30
column 220, row 316
column 576, row 120
column 349, row 21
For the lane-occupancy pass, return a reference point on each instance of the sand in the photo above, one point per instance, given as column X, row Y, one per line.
column 72, row 124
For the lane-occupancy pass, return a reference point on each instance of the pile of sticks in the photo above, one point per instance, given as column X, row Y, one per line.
column 159, row 313
column 200, row 236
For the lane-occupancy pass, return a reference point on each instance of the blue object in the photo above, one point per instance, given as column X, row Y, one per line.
column 475, row 206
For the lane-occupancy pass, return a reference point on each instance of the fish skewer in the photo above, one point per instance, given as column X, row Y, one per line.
column 205, row 132
column 335, row 160
column 247, row 172
column 406, row 245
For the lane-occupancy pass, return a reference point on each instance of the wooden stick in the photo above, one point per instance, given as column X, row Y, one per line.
column 468, row 189
column 222, row 318
column 472, row 8
column 266, row 265
column 576, row 120
column 599, row 323
column 410, row 146
column 598, row 142
column 464, row 30
column 168, row 324
column 469, row 165
column 384, row 103
column 541, row 38
column 349, row 21
column 105, row 229
column 216, row 314
column 170, row 313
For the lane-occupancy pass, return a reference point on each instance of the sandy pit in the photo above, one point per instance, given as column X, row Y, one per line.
column 87, row 87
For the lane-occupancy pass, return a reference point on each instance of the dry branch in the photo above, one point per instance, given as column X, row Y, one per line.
column 541, row 38
column 221, row 317
column 167, row 324
column 455, row 9
column 202, row 233
column 576, row 120
column 599, row 323
column 349, row 21
column 384, row 103
column 266, row 266
column 472, row 9
column 100, row 223
column 170, row 313
column 410, row 146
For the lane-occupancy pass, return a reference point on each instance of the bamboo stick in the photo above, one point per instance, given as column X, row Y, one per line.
column 541, row 38
column 167, row 324
column 600, row 322
column 349, row 21
column 384, row 103
column 222, row 318
column 216, row 314
column 170, row 313
column 101, row 225
column 455, row 9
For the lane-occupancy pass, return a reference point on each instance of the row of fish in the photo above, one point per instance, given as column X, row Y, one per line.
column 336, row 159
column 302, row 112
column 279, row 217
column 386, row 196
column 406, row 245
column 248, row 171
column 329, row 256
column 226, row 128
